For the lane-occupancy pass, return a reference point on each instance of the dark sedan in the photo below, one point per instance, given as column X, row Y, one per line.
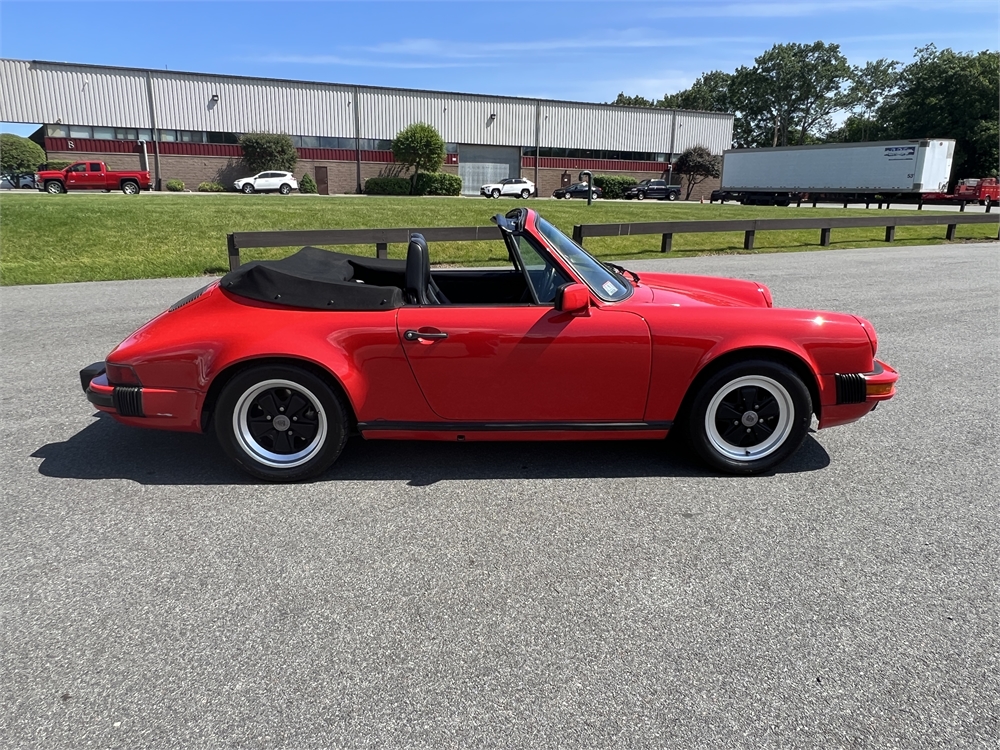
column 579, row 190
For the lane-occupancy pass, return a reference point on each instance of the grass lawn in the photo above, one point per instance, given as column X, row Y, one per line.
column 89, row 237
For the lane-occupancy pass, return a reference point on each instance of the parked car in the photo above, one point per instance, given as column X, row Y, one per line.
column 284, row 359
column 268, row 182
column 577, row 190
column 91, row 175
column 24, row 181
column 658, row 189
column 513, row 187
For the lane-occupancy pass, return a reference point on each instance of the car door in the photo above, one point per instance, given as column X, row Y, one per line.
column 94, row 177
column 529, row 362
column 76, row 177
column 657, row 189
column 265, row 181
column 510, row 187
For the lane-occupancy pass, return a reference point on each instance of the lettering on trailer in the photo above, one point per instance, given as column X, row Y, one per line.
column 900, row 153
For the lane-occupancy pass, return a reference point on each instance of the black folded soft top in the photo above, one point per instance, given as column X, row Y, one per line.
column 321, row 279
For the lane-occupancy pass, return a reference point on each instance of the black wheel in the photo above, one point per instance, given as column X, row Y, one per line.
column 285, row 189
column 671, row 196
column 640, row 196
column 525, row 193
column 749, row 417
column 247, row 188
column 495, row 193
column 54, row 187
column 280, row 423
column 130, row 188
column 594, row 195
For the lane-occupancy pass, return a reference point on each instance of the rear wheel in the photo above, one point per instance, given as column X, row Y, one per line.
column 671, row 196
column 54, row 187
column 247, row 189
column 749, row 417
column 281, row 423
column 285, row 189
column 130, row 188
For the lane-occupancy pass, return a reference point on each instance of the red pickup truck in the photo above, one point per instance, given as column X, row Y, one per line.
column 984, row 191
column 91, row 175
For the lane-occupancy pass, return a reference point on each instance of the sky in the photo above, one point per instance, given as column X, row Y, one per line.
column 579, row 50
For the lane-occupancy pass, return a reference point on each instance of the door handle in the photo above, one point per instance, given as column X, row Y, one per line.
column 417, row 335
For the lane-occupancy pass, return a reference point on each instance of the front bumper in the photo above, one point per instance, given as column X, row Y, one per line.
column 857, row 394
column 162, row 408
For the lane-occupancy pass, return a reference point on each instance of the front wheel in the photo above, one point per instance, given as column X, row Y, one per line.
column 749, row 417
column 495, row 193
column 130, row 188
column 54, row 187
column 247, row 189
column 640, row 196
column 285, row 189
column 525, row 193
column 280, row 423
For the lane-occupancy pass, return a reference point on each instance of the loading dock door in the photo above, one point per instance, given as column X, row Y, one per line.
column 478, row 165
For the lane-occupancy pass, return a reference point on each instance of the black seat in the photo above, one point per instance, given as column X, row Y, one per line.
column 420, row 286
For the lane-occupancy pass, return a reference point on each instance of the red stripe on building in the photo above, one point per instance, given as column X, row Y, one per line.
column 614, row 165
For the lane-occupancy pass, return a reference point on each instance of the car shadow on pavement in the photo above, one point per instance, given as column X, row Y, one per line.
column 107, row 450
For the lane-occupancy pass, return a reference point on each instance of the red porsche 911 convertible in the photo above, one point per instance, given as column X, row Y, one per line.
column 285, row 359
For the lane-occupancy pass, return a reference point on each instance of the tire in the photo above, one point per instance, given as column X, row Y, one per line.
column 671, row 196
column 494, row 193
column 247, row 189
column 285, row 189
column 309, row 411
column 54, row 187
column 525, row 193
column 594, row 195
column 130, row 188
column 640, row 196
column 739, row 437
column 988, row 202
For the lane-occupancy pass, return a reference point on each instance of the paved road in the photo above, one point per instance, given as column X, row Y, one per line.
column 521, row 595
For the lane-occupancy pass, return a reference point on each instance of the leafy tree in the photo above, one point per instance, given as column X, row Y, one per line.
column 268, row 151
column 307, row 185
column 857, row 128
column 697, row 164
column 947, row 94
column 709, row 93
column 789, row 94
column 19, row 156
column 419, row 146
column 632, row 101
column 870, row 85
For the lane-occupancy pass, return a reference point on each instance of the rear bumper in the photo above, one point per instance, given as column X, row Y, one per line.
column 853, row 403
column 160, row 408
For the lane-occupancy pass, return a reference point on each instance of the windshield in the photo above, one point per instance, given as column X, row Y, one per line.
column 601, row 281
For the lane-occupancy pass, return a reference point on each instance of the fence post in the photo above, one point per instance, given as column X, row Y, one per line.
column 748, row 239
column 824, row 237
column 950, row 234
column 890, row 234
column 961, row 208
column 667, row 242
column 234, row 252
column 381, row 250
column 578, row 234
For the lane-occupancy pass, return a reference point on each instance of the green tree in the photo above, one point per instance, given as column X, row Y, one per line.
column 267, row 151
column 870, row 86
column 19, row 156
column 697, row 164
column 307, row 185
column 419, row 146
column 947, row 94
column 632, row 101
column 709, row 93
column 789, row 95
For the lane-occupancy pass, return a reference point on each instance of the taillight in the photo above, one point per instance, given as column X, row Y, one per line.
column 121, row 375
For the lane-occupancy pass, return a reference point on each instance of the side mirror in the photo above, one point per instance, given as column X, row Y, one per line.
column 572, row 298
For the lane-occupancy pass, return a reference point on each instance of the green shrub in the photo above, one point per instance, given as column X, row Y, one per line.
column 307, row 184
column 267, row 151
column 55, row 166
column 387, row 186
column 419, row 146
column 437, row 183
column 19, row 155
column 614, row 185
column 208, row 187
column 175, row 186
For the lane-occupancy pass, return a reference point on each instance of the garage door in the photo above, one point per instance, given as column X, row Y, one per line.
column 478, row 165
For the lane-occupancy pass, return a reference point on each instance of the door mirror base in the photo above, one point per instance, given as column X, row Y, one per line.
column 574, row 299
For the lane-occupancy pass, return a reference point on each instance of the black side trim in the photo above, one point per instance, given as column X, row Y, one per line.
column 190, row 298
column 851, row 388
column 515, row 426
column 90, row 372
column 127, row 400
column 100, row 399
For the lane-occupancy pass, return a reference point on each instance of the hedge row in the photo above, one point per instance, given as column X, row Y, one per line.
column 387, row 186
column 614, row 185
column 426, row 183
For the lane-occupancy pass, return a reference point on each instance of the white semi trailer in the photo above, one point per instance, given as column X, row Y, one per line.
column 836, row 171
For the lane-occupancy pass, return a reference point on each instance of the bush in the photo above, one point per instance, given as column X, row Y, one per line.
column 268, row 151
column 55, row 166
column 437, row 183
column 175, row 186
column 419, row 146
column 307, row 184
column 387, row 186
column 19, row 155
column 614, row 185
column 208, row 187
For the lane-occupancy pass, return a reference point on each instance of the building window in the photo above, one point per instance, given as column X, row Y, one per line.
column 126, row 134
column 191, row 136
column 231, row 139
column 450, row 148
column 166, row 136
column 104, row 134
column 56, row 131
column 79, row 131
column 145, row 134
column 310, row 141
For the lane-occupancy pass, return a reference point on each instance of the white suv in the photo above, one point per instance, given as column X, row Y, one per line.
column 514, row 187
column 283, row 182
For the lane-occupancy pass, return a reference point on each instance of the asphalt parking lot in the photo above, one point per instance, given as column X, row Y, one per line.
column 513, row 595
